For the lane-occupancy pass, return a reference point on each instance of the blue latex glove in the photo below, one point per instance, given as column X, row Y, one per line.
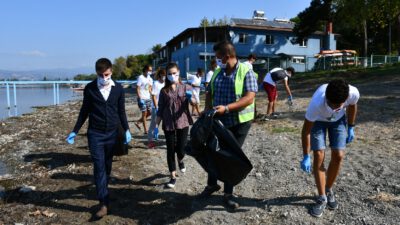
column 350, row 134
column 305, row 164
column 71, row 138
column 290, row 100
column 156, row 133
column 128, row 137
column 189, row 95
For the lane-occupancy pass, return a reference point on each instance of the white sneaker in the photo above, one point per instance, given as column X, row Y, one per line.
column 182, row 167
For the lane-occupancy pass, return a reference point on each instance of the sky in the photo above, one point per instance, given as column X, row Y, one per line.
column 51, row 34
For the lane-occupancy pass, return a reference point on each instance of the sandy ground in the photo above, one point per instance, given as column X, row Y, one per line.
column 275, row 192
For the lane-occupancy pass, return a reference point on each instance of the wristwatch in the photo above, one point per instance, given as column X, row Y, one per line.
column 226, row 109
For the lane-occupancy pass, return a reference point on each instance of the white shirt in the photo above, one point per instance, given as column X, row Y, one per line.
column 318, row 109
column 248, row 64
column 196, row 81
column 105, row 90
column 268, row 77
column 208, row 76
column 144, row 84
column 155, row 90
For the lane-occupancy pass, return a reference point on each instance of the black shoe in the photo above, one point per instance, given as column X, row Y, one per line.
column 171, row 183
column 230, row 201
column 182, row 167
column 208, row 191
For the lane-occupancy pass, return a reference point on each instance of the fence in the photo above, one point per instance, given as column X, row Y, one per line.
column 56, row 88
column 331, row 63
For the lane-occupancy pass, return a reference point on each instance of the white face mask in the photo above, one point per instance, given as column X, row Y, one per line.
column 174, row 78
column 104, row 82
column 148, row 74
column 220, row 64
column 163, row 78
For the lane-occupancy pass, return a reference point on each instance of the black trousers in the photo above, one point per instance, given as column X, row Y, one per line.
column 176, row 142
column 240, row 132
column 101, row 146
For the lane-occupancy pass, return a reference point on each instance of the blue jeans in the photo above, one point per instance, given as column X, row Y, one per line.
column 240, row 132
column 150, row 134
column 101, row 146
column 337, row 134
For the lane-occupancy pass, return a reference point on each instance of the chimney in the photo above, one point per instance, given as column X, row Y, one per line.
column 329, row 27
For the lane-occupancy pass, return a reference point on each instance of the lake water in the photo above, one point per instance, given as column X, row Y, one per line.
column 27, row 97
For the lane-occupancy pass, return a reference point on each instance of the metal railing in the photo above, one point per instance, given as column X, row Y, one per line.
column 330, row 63
column 56, row 88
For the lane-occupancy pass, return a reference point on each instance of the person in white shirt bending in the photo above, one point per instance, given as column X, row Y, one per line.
column 269, row 84
column 326, row 114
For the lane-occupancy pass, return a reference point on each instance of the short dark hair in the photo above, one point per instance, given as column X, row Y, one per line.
column 252, row 56
column 103, row 64
column 225, row 48
column 146, row 68
column 337, row 91
column 291, row 70
column 160, row 72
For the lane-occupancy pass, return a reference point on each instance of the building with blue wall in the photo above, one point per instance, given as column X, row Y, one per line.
column 273, row 41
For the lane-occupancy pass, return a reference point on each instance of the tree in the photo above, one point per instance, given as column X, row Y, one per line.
column 204, row 22
column 156, row 48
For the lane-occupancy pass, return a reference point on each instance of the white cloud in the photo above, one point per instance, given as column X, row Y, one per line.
column 34, row 53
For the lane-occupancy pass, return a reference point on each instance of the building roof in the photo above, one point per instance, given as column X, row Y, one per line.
column 263, row 23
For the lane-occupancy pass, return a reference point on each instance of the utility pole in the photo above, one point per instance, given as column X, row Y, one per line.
column 205, row 47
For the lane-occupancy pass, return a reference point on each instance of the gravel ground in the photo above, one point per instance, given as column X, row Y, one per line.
column 275, row 192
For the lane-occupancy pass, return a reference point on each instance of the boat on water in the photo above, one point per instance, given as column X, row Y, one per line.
column 78, row 88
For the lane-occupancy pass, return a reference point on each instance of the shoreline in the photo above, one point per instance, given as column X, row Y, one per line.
column 275, row 192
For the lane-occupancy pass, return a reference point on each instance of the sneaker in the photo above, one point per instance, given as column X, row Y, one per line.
column 208, row 191
column 151, row 145
column 332, row 203
column 171, row 183
column 230, row 201
column 318, row 208
column 182, row 167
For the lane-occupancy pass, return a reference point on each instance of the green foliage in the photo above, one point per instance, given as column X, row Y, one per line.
column 363, row 25
column 214, row 22
column 85, row 77
column 130, row 67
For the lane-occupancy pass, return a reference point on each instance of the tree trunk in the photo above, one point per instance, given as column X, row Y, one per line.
column 365, row 38
column 398, row 35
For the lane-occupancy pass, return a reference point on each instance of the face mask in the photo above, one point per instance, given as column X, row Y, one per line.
column 163, row 78
column 173, row 78
column 148, row 74
column 104, row 82
column 220, row 64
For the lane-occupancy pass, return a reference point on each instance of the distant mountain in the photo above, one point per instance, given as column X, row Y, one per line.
column 50, row 74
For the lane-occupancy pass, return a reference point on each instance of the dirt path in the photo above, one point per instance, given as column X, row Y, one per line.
column 275, row 192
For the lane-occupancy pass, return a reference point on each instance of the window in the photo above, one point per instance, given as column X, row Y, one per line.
column 269, row 39
column 182, row 44
column 242, row 38
column 189, row 41
column 303, row 42
column 298, row 59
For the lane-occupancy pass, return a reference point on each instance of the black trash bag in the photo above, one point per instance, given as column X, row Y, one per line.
column 229, row 163
column 199, row 134
column 120, row 147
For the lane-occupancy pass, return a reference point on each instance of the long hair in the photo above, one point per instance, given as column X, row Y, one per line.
column 168, row 83
column 160, row 72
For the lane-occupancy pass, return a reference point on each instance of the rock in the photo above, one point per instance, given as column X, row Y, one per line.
column 293, row 169
column 27, row 189
column 259, row 175
column 2, row 193
column 285, row 214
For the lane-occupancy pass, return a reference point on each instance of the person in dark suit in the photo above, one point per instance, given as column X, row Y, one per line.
column 104, row 104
